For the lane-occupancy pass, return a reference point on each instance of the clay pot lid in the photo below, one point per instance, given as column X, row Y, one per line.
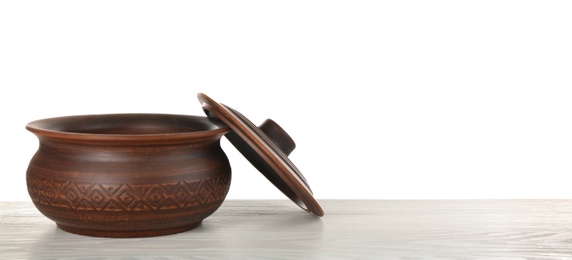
column 267, row 148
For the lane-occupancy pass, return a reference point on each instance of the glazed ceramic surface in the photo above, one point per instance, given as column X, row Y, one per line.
column 267, row 147
column 128, row 175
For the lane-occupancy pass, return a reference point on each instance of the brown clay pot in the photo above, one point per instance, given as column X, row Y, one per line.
column 128, row 175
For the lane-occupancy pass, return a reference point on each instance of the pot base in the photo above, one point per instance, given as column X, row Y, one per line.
column 128, row 234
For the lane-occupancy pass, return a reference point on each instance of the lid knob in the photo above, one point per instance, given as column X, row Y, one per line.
column 278, row 136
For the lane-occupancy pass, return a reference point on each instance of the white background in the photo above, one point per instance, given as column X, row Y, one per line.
column 385, row 99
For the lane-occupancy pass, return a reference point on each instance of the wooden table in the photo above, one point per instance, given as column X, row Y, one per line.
column 351, row 229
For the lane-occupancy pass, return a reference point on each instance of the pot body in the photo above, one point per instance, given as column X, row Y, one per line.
column 131, row 184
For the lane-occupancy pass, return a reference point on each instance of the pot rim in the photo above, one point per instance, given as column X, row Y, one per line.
column 41, row 128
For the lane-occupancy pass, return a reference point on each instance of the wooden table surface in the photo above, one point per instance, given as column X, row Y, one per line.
column 351, row 229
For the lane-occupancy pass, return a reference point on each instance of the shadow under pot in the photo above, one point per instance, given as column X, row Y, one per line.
column 128, row 175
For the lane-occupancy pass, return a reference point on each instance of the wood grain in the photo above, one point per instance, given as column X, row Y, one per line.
column 456, row 229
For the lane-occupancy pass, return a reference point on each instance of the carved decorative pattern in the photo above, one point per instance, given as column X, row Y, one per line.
column 127, row 197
